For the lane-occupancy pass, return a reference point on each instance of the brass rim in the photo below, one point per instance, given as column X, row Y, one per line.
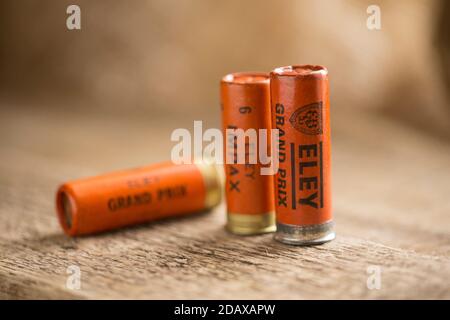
column 248, row 224
column 213, row 184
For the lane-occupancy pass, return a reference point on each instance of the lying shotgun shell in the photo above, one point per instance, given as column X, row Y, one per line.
column 134, row 196
column 301, row 112
column 245, row 101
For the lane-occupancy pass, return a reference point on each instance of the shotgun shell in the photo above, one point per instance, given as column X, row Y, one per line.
column 245, row 102
column 301, row 112
column 134, row 196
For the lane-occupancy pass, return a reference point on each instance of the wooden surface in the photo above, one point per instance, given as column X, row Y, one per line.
column 391, row 198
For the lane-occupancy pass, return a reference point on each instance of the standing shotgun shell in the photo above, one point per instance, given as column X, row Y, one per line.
column 301, row 112
column 245, row 101
column 135, row 196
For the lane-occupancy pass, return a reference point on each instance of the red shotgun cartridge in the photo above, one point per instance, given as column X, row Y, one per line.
column 301, row 112
column 245, row 99
column 134, row 196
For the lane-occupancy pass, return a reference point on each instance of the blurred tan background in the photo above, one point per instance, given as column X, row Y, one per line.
column 163, row 57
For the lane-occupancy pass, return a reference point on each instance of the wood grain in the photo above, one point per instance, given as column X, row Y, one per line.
column 391, row 186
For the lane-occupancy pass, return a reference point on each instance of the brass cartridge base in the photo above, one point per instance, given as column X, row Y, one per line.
column 305, row 235
column 213, row 183
column 250, row 224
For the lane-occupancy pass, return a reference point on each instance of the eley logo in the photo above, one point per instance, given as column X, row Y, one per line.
column 308, row 119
